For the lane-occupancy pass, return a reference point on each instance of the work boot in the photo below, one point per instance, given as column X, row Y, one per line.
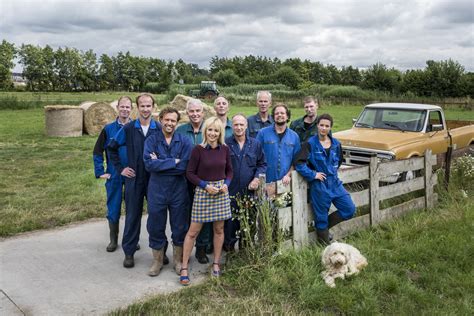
column 201, row 255
column 178, row 258
column 114, row 230
column 334, row 219
column 166, row 260
column 323, row 236
column 129, row 262
column 157, row 262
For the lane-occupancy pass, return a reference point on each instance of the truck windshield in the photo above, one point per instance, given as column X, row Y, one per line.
column 394, row 119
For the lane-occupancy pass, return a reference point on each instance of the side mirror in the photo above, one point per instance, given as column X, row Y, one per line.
column 436, row 127
column 354, row 120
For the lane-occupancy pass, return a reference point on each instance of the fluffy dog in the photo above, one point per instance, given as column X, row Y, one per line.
column 341, row 260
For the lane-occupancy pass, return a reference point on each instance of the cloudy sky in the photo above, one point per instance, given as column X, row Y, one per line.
column 401, row 33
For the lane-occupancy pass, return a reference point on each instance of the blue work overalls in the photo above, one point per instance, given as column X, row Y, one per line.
column 247, row 163
column 331, row 190
column 131, row 135
column 113, row 185
column 167, row 189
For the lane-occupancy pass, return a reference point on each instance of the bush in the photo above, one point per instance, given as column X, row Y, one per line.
column 226, row 78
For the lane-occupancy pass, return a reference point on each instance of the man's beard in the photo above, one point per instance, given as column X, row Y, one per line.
column 280, row 123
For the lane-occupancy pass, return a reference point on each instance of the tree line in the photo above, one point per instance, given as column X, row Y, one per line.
column 69, row 69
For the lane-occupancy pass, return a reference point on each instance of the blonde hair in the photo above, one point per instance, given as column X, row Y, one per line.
column 216, row 122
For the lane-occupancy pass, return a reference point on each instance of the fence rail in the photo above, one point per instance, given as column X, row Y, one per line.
column 297, row 219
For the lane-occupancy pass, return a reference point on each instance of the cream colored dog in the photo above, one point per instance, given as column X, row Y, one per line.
column 341, row 260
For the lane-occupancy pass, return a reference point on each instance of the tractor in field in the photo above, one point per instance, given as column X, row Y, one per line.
column 206, row 90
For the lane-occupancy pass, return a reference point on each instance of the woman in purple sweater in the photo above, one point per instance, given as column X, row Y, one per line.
column 210, row 169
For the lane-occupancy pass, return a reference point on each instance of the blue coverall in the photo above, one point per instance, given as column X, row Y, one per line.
column 131, row 135
column 247, row 163
column 167, row 189
column 279, row 153
column 113, row 185
column 205, row 235
column 313, row 158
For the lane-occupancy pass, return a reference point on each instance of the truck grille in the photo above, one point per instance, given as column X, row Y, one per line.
column 359, row 156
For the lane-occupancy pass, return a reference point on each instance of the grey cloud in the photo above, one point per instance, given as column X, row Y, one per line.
column 454, row 11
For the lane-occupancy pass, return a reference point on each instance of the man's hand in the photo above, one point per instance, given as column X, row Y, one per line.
column 253, row 185
column 105, row 176
column 177, row 161
column 321, row 176
column 128, row 172
column 212, row 190
column 153, row 156
column 286, row 180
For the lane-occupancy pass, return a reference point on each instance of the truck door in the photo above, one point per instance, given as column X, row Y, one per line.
column 438, row 141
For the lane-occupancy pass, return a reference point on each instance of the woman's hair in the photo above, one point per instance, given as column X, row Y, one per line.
column 324, row 116
column 213, row 122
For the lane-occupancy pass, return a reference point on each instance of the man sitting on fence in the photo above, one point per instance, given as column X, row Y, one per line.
column 318, row 162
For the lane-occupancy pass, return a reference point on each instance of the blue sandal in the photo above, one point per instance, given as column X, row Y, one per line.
column 184, row 279
column 216, row 273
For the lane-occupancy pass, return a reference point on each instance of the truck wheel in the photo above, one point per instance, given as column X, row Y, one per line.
column 209, row 95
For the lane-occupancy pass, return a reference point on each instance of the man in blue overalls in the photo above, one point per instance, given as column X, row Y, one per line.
column 166, row 156
column 133, row 136
column 248, row 162
column 114, row 181
column 318, row 162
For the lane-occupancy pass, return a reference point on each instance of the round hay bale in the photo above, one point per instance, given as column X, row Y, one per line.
column 179, row 103
column 63, row 120
column 96, row 115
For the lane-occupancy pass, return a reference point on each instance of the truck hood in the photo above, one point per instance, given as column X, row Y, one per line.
column 380, row 139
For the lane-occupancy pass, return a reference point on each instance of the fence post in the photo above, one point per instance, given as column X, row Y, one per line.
column 447, row 166
column 298, row 210
column 429, row 202
column 374, row 189
column 261, row 185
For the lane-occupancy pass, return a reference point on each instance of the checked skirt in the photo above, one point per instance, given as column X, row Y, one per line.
column 210, row 208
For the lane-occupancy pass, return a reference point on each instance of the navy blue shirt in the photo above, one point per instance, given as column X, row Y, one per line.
column 255, row 124
column 247, row 163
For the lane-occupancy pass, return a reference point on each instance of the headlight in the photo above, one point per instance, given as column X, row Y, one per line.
column 385, row 156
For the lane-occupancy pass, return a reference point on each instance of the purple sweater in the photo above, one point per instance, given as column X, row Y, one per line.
column 207, row 164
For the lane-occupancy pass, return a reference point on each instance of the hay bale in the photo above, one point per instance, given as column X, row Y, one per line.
column 96, row 115
column 63, row 120
column 179, row 103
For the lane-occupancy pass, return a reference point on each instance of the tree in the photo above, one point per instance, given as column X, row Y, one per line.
column 7, row 54
column 88, row 71
column 350, row 76
column 287, row 76
column 226, row 78
column 444, row 78
column 106, row 73
column 378, row 77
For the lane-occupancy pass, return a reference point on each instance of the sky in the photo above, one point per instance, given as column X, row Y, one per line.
column 402, row 34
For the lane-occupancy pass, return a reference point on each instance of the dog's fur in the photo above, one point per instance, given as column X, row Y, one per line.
column 341, row 260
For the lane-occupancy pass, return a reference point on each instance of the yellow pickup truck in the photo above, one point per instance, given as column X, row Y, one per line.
column 397, row 131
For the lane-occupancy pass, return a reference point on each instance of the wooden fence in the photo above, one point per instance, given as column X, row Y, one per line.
column 297, row 219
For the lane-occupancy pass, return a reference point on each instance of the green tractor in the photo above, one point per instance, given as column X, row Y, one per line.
column 207, row 90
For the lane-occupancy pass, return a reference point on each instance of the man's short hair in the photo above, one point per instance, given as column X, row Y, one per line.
column 260, row 92
column 125, row 97
column 194, row 102
column 281, row 105
column 239, row 114
column 141, row 95
column 168, row 110
column 324, row 116
column 309, row 99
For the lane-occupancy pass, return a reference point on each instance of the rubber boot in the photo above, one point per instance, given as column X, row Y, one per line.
column 128, row 262
column 201, row 255
column 323, row 236
column 334, row 219
column 178, row 258
column 114, row 230
column 157, row 262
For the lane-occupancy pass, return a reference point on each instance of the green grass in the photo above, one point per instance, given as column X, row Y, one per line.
column 418, row 265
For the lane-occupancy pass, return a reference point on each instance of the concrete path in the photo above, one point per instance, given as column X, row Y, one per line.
column 67, row 271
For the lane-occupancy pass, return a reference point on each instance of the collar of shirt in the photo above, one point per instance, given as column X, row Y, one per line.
column 153, row 124
column 258, row 118
column 122, row 124
column 208, row 147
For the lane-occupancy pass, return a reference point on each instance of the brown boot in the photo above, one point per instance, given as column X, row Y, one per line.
column 178, row 258
column 157, row 262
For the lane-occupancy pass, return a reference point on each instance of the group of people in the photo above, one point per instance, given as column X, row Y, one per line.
column 194, row 171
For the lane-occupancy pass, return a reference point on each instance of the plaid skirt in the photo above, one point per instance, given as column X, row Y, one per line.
column 210, row 208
